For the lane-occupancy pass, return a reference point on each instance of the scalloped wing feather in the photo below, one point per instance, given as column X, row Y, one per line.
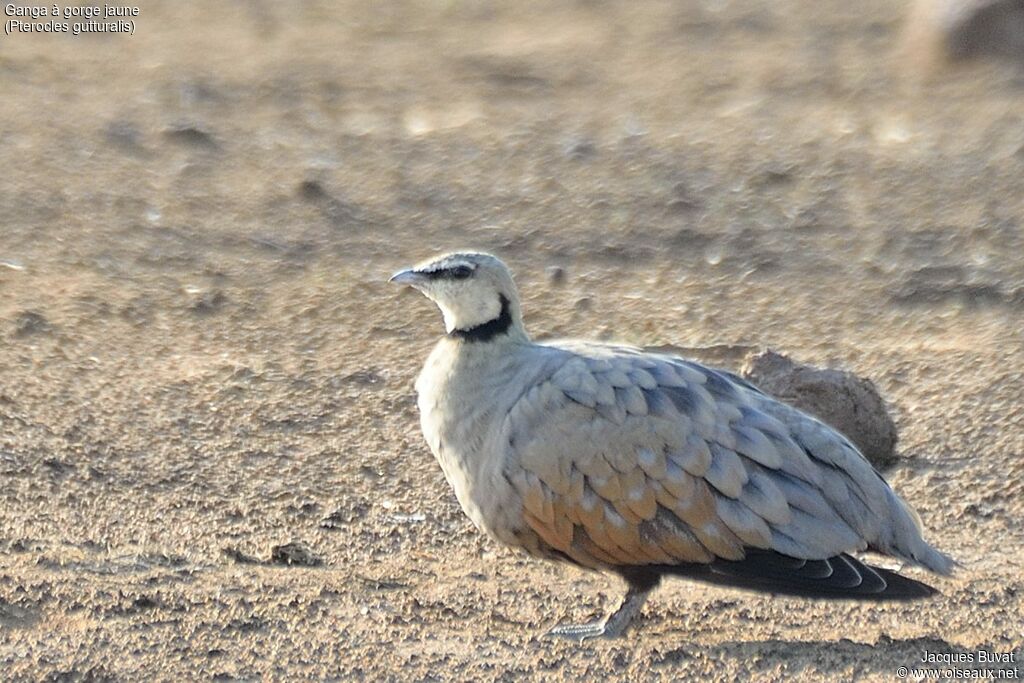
column 639, row 459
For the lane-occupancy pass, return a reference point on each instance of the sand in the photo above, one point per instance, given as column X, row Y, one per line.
column 200, row 358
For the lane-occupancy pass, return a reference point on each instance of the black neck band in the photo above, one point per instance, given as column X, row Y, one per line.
column 490, row 329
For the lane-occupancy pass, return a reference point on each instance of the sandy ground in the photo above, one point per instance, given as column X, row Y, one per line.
column 200, row 359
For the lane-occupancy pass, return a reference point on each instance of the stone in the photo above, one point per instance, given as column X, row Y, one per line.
column 849, row 403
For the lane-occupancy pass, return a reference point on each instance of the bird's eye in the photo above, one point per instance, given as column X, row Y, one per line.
column 461, row 272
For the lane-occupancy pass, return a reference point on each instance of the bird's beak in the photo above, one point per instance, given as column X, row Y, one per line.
column 406, row 277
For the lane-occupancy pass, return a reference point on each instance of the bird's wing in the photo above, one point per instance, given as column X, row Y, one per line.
column 627, row 458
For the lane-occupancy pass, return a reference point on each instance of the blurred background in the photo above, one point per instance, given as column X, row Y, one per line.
column 204, row 376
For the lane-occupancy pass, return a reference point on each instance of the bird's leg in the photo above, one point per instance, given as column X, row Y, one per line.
column 615, row 624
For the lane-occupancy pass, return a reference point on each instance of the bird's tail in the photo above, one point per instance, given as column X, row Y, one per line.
column 842, row 577
column 906, row 540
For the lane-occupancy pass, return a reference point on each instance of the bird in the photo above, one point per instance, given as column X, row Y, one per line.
column 646, row 465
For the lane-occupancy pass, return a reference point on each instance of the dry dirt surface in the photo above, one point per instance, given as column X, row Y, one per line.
column 210, row 456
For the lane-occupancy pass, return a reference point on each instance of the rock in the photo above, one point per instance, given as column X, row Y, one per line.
column 579, row 148
column 683, row 200
column 934, row 285
column 294, row 553
column 238, row 556
column 191, row 135
column 312, row 191
column 61, row 467
column 29, row 323
column 124, row 135
column 370, row 377
column 335, row 520
column 208, row 302
column 348, row 513
column 848, row 403
column 961, row 29
column 339, row 212
column 556, row 275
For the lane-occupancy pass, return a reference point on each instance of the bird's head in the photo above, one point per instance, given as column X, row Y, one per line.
column 474, row 291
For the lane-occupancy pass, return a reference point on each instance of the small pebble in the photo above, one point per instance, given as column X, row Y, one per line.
column 556, row 275
column 295, row 553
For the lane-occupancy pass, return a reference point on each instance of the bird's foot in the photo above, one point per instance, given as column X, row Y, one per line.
column 614, row 626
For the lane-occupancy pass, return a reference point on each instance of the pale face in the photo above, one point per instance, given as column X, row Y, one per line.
column 467, row 287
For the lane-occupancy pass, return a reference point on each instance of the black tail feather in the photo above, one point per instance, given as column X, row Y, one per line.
column 838, row 578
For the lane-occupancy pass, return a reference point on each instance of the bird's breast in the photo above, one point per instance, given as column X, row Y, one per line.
column 461, row 412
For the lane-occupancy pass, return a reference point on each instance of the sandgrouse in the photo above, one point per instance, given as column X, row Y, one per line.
column 644, row 464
